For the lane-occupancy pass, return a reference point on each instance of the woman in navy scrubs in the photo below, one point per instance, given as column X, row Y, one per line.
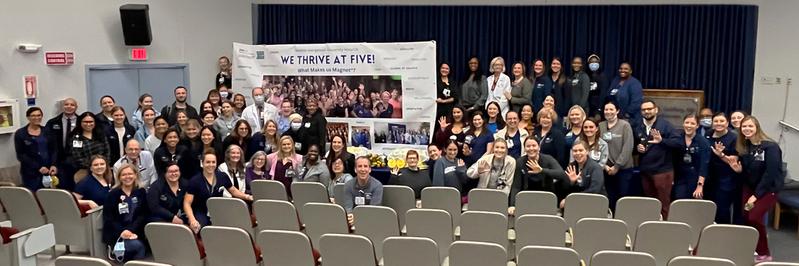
column 126, row 215
column 550, row 137
column 207, row 184
column 760, row 165
column 478, row 141
column 35, row 153
column 723, row 185
column 165, row 197
column 93, row 189
column 692, row 156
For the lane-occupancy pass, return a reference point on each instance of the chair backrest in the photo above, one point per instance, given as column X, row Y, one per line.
column 733, row 242
column 777, row 264
column 276, row 215
column 144, row 263
column 376, row 223
column 616, row 258
column 21, row 207
column 443, row 198
column 584, row 205
column 696, row 213
column 338, row 193
column 228, row 246
column 306, row 192
column 432, row 223
column 324, row 218
column 230, row 212
column 489, row 200
column 470, row 253
column 285, row 248
column 540, row 230
column 483, row 226
column 664, row 240
column 701, row 261
column 403, row 251
column 399, row 198
column 61, row 210
column 555, row 256
column 592, row 235
column 268, row 189
column 173, row 244
column 636, row 210
column 346, row 250
column 536, row 202
column 80, row 261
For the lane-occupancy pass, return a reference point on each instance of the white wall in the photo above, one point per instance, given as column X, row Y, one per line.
column 195, row 32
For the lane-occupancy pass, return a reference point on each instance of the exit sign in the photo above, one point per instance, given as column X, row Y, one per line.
column 138, row 54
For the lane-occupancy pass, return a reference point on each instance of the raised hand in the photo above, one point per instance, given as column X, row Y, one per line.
column 656, row 137
column 571, row 171
column 442, row 123
column 533, row 167
column 718, row 149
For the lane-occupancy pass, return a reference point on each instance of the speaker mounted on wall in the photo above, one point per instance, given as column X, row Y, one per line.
column 136, row 24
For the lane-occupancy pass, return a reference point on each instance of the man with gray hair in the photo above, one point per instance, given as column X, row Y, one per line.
column 259, row 112
column 143, row 160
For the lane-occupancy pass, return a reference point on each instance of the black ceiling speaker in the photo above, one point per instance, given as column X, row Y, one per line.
column 136, row 24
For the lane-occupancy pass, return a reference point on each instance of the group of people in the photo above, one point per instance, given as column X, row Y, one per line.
column 504, row 131
column 492, row 132
column 346, row 96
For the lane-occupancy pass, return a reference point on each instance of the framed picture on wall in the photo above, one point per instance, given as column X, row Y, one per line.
column 9, row 116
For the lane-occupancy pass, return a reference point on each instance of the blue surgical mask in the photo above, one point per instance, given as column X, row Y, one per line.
column 259, row 99
column 223, row 94
column 593, row 66
column 705, row 122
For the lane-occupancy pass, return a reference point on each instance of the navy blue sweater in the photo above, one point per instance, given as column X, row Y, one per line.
column 720, row 173
column 762, row 168
column 690, row 162
column 657, row 157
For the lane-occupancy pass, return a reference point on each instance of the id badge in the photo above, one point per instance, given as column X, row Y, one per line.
column 468, row 139
column 123, row 208
column 77, row 144
column 593, row 86
column 360, row 200
column 575, row 82
column 760, row 156
column 614, row 91
column 607, row 136
column 307, row 124
column 298, row 146
column 687, row 158
column 510, row 143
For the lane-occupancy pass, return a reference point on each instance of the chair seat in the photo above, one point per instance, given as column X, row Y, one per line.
column 789, row 198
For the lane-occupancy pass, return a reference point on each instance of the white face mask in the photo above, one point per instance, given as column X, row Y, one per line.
column 259, row 99
column 706, row 122
column 295, row 125
column 593, row 66
column 223, row 94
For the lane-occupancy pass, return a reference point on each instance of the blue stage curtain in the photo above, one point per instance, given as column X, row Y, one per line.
column 705, row 47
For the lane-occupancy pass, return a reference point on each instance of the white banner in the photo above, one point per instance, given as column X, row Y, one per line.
column 378, row 95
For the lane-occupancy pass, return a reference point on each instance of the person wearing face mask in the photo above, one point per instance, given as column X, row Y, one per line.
column 599, row 86
column 224, row 77
column 584, row 175
column 259, row 112
column 655, row 160
column 579, row 84
column 542, row 84
column 535, row 171
column 705, row 121
column 296, row 131
column 474, row 86
column 498, row 84
column 180, row 104
column 224, row 93
column 723, row 186
column 692, row 156
column 314, row 126
column 495, row 170
column 628, row 92
column 411, row 175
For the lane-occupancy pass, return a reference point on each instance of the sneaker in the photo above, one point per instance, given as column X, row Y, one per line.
column 763, row 258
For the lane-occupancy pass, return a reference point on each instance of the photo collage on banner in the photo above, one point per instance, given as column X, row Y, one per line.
column 380, row 96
